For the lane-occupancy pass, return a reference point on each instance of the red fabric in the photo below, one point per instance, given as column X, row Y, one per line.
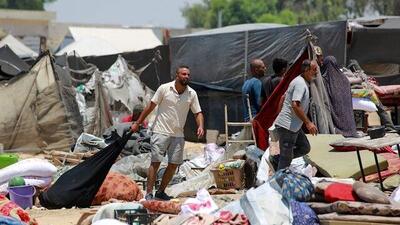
column 126, row 119
column 9, row 208
column 162, row 206
column 339, row 192
column 269, row 111
column 117, row 186
column 393, row 168
column 344, row 148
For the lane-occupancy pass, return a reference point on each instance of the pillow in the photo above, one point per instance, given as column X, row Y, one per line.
column 364, row 104
column 117, row 186
column 370, row 194
column 339, row 192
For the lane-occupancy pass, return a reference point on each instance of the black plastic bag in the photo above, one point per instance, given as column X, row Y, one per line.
column 78, row 186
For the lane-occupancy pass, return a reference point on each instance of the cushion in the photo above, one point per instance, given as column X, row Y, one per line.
column 362, row 208
column 118, row 186
column 162, row 206
column 337, row 164
column 370, row 194
column 303, row 214
column 339, row 192
column 364, row 104
column 292, row 185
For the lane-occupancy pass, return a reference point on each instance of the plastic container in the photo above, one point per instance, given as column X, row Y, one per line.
column 135, row 216
column 228, row 178
column 376, row 132
column 7, row 159
column 22, row 195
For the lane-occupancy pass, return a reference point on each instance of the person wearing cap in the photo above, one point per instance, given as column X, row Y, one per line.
column 320, row 56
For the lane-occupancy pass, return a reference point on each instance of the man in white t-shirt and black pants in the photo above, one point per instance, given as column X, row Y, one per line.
column 174, row 99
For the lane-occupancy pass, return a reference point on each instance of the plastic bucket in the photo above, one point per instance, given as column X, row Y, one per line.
column 22, row 195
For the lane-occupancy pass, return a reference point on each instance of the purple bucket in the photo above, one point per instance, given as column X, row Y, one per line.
column 22, row 195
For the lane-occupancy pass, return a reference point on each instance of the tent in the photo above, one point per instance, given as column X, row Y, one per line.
column 220, row 58
column 92, row 41
column 219, row 61
column 18, row 47
column 89, row 46
column 155, row 74
column 124, row 86
column 10, row 64
column 93, row 101
column 39, row 117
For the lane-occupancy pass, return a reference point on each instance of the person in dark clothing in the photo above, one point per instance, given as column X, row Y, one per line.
column 252, row 89
column 271, row 82
column 339, row 91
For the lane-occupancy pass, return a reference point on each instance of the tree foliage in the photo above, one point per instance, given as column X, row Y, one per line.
column 24, row 4
column 205, row 14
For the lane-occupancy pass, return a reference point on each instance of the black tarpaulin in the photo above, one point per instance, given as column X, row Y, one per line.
column 78, row 186
column 10, row 64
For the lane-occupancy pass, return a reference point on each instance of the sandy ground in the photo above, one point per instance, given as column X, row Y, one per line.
column 72, row 216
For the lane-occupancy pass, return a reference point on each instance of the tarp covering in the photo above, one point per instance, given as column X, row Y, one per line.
column 222, row 59
column 157, row 73
column 35, row 118
column 78, row 186
column 125, row 86
column 18, row 47
column 10, row 64
column 94, row 41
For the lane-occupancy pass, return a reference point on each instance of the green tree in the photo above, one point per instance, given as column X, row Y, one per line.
column 24, row 4
column 290, row 12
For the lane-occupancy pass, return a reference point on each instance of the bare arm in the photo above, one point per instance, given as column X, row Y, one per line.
column 298, row 110
column 149, row 108
column 200, row 124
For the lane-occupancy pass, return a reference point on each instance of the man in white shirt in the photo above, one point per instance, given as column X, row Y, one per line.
column 174, row 100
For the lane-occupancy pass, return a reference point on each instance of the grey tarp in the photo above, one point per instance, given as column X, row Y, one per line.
column 376, row 45
column 221, row 59
column 320, row 106
column 10, row 64
column 35, row 117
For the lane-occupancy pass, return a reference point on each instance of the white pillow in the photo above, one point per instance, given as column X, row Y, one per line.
column 364, row 104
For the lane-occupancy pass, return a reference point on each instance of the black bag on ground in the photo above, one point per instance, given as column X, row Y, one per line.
column 78, row 186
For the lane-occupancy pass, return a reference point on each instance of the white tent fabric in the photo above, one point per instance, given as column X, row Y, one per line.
column 122, row 39
column 125, row 86
column 18, row 47
column 89, row 46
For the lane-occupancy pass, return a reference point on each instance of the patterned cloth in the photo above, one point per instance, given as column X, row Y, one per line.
column 117, row 186
column 162, row 206
column 227, row 218
column 365, row 93
column 303, row 214
column 292, row 186
column 339, row 91
column 9, row 208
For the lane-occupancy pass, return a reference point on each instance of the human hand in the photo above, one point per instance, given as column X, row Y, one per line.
column 134, row 127
column 200, row 132
column 312, row 129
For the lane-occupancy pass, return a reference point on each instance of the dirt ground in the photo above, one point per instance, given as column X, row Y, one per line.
column 72, row 216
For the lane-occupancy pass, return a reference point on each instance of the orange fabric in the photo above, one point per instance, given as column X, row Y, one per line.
column 118, row 186
column 162, row 206
column 9, row 208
